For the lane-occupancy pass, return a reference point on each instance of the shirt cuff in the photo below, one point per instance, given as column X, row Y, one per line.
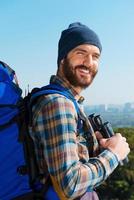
column 109, row 161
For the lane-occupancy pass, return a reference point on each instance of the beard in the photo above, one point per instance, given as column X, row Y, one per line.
column 71, row 73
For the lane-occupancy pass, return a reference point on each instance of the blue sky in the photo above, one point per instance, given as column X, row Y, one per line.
column 30, row 30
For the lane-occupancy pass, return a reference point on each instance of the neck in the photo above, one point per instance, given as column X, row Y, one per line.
column 77, row 90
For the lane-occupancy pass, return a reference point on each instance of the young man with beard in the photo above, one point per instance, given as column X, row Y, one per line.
column 75, row 164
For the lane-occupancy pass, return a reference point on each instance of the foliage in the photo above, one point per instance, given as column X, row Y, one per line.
column 120, row 185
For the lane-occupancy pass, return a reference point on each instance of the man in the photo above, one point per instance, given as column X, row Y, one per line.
column 75, row 164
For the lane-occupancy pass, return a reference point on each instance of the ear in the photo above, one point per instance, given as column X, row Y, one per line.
column 60, row 68
column 62, row 61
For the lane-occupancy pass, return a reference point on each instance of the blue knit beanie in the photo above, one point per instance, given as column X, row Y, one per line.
column 76, row 34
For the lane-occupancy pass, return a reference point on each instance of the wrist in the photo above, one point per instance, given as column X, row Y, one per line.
column 116, row 154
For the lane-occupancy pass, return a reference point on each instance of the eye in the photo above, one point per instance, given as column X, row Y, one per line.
column 96, row 56
column 79, row 53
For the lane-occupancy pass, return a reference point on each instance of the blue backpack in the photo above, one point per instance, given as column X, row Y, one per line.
column 19, row 175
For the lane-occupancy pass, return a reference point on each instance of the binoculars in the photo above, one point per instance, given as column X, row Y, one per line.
column 104, row 128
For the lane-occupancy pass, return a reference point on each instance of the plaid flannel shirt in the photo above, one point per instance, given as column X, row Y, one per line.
column 62, row 150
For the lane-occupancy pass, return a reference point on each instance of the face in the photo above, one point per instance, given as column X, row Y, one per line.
column 81, row 65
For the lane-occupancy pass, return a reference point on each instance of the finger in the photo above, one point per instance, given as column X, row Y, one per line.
column 104, row 142
column 118, row 134
column 98, row 135
column 124, row 139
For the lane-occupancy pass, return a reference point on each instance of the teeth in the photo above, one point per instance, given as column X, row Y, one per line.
column 84, row 70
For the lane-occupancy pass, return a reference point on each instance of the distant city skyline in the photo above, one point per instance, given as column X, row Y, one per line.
column 126, row 107
column 118, row 115
column 115, row 104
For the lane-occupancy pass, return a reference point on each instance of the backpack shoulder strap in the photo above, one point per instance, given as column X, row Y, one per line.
column 54, row 89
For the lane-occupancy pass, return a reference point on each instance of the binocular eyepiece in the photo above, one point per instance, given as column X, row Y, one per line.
column 104, row 128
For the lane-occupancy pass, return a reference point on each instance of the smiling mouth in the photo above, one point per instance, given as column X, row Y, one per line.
column 83, row 69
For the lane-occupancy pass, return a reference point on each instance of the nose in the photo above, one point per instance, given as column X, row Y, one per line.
column 88, row 60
